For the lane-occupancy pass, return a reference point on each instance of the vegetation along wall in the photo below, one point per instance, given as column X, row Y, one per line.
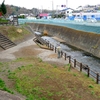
column 89, row 42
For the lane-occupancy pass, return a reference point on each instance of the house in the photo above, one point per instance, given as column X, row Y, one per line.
column 43, row 15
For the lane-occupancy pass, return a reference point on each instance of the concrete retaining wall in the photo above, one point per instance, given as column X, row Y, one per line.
column 89, row 42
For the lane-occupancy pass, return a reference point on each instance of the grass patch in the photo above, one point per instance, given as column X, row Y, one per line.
column 4, row 87
column 69, row 67
column 42, row 81
column 14, row 33
column 91, row 86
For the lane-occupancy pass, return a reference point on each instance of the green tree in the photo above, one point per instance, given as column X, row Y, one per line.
column 3, row 8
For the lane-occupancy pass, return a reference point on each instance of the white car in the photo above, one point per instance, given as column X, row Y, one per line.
column 93, row 20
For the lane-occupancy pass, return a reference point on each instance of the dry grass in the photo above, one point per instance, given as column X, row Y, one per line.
column 43, row 81
column 14, row 33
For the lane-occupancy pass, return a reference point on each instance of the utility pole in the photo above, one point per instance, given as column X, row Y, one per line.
column 41, row 9
column 66, row 7
column 52, row 8
column 66, row 3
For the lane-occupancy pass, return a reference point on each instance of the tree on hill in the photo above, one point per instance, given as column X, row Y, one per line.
column 3, row 8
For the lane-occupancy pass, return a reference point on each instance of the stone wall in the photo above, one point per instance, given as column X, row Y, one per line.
column 89, row 42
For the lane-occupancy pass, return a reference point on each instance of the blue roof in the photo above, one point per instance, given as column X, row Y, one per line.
column 67, row 9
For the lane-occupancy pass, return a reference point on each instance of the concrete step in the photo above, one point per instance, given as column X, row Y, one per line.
column 5, row 43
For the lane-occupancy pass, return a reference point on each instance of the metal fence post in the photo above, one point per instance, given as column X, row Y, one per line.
column 65, row 56
column 48, row 44
column 74, row 62
column 55, row 49
column 97, row 80
column 61, row 53
column 80, row 67
column 88, row 72
column 52, row 47
column 69, row 59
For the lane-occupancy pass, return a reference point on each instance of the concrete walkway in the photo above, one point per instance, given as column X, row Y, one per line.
column 46, row 55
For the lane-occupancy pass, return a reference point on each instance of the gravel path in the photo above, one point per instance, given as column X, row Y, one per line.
column 31, row 47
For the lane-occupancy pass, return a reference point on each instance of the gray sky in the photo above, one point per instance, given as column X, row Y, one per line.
column 50, row 4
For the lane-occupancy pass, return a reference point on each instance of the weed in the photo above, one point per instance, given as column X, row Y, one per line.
column 64, row 66
column 42, row 71
column 19, row 68
column 11, row 75
column 40, row 60
column 69, row 67
column 19, row 59
column 3, row 87
column 92, row 92
column 22, row 66
column 1, row 63
column 91, row 86
column 85, row 75
column 92, row 79
column 9, row 71
column 74, row 75
column 2, row 84
column 8, row 90
column 30, row 97
column 36, row 89
column 78, row 96
column 99, row 97
column 47, row 76
column 18, row 87
column 62, row 99
column 50, row 93
column 30, row 65
column 74, row 88
column 59, row 93
column 55, row 66
column 4, row 70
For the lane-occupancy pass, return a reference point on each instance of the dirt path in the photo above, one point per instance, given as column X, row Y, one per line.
column 27, row 49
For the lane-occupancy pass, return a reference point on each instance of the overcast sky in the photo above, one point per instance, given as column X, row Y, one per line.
column 50, row 4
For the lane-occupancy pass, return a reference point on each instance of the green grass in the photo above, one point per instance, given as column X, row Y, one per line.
column 42, row 81
column 2, row 20
column 4, row 87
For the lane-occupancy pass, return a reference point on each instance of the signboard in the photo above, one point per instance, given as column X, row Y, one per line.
column 63, row 5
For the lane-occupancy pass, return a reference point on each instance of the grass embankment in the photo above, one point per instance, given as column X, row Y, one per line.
column 3, row 21
column 38, row 80
column 14, row 33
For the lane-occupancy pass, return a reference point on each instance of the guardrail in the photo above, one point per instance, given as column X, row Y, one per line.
column 73, row 62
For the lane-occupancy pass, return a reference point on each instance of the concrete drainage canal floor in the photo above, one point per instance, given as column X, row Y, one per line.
column 79, row 55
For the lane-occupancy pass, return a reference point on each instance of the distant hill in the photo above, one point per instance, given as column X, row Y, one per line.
column 15, row 10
